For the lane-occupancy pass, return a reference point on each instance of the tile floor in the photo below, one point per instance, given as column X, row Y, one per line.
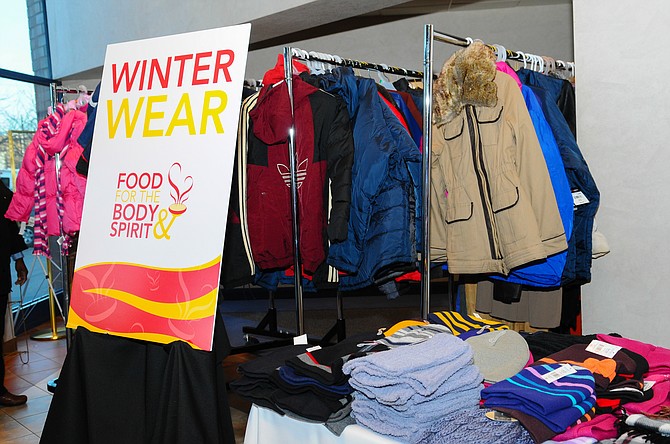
column 28, row 370
column 35, row 363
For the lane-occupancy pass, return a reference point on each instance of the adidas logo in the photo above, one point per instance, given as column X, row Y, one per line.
column 285, row 173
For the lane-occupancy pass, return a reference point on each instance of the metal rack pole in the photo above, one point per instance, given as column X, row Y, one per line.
column 427, row 142
column 53, row 333
column 430, row 35
column 295, row 213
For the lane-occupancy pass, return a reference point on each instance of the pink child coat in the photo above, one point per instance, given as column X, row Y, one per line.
column 55, row 134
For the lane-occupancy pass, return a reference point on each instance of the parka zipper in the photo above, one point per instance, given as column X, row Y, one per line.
column 482, row 178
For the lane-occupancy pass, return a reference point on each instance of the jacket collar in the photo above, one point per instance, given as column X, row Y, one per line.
column 467, row 78
column 272, row 114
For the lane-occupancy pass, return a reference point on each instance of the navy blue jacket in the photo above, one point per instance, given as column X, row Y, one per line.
column 384, row 223
column 548, row 90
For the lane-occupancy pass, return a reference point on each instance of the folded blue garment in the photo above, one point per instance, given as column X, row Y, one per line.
column 405, row 425
column 290, row 376
column 472, row 426
column 404, row 392
column 557, row 405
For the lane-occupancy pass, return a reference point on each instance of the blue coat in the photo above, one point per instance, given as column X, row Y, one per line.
column 578, row 265
column 384, row 223
column 547, row 273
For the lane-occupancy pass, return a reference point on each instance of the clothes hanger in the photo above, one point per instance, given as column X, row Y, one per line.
column 549, row 65
column 523, row 58
column 328, row 58
column 501, row 53
column 384, row 80
column 316, row 67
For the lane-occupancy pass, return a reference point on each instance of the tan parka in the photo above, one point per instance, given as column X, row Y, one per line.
column 493, row 206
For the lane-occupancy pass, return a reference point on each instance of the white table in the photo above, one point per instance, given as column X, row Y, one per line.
column 265, row 426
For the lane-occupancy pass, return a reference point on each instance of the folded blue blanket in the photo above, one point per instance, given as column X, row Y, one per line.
column 401, row 393
column 405, row 425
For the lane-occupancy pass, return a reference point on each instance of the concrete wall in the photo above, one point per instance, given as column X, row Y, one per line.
column 39, row 51
column 80, row 30
column 622, row 123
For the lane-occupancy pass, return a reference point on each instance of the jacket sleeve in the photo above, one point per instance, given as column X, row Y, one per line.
column 24, row 201
column 340, row 162
column 16, row 243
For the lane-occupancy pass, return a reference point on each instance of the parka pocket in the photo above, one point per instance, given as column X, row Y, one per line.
column 505, row 197
column 459, row 210
column 453, row 129
column 504, row 191
column 488, row 121
column 452, row 133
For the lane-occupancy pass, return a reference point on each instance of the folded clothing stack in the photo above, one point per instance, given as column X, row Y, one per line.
column 255, row 384
column 402, row 391
column 618, row 379
column 296, row 381
column 325, row 364
column 544, row 408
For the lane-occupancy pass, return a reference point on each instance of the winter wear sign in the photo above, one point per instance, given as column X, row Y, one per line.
column 156, row 203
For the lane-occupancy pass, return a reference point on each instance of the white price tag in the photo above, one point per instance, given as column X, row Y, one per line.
column 578, row 198
column 555, row 375
column 648, row 385
column 603, row 348
column 300, row 340
column 313, row 349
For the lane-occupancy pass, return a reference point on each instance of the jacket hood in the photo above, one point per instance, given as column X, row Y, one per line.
column 467, row 78
column 276, row 74
column 59, row 128
column 272, row 115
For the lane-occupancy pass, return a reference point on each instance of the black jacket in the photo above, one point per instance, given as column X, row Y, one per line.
column 10, row 241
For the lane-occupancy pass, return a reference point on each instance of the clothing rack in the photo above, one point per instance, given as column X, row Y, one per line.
column 430, row 36
column 289, row 54
column 64, row 90
column 339, row 61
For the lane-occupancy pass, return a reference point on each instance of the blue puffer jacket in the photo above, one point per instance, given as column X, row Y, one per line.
column 578, row 266
column 547, row 273
column 385, row 217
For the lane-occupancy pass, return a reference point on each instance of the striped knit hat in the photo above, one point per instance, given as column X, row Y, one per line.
column 461, row 324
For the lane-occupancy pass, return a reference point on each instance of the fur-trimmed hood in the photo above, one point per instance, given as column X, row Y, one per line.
column 466, row 79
